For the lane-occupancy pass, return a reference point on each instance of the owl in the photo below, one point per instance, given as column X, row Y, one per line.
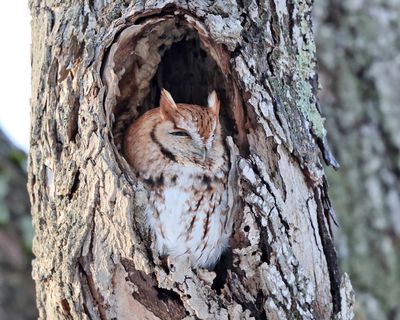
column 178, row 152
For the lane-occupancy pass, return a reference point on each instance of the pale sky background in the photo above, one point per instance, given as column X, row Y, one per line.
column 15, row 71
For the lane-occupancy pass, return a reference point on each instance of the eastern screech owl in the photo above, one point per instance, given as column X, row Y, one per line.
column 177, row 150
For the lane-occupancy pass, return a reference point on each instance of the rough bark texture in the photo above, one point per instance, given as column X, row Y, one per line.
column 16, row 286
column 358, row 46
column 96, row 66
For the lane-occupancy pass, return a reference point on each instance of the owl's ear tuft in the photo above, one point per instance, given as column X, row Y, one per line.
column 167, row 105
column 213, row 103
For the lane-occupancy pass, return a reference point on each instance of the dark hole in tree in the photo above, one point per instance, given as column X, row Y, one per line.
column 221, row 270
column 171, row 54
column 167, row 55
column 189, row 74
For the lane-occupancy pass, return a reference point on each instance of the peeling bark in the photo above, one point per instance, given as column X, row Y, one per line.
column 96, row 66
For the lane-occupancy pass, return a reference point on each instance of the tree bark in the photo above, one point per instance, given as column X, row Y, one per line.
column 96, row 66
column 359, row 43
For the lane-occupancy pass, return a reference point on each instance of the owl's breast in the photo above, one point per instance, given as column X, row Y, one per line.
column 189, row 213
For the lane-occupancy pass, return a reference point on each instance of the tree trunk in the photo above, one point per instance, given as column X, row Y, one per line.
column 96, row 67
column 359, row 44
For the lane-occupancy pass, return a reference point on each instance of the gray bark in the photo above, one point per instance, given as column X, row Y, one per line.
column 358, row 45
column 96, row 66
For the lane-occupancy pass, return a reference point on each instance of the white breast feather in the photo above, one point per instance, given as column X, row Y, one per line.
column 174, row 221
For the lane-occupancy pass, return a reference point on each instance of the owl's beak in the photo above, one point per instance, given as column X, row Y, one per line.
column 204, row 154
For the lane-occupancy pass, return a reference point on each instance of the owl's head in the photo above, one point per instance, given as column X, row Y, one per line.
column 190, row 132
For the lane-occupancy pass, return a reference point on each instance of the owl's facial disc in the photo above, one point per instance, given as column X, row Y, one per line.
column 188, row 131
column 185, row 144
column 191, row 138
